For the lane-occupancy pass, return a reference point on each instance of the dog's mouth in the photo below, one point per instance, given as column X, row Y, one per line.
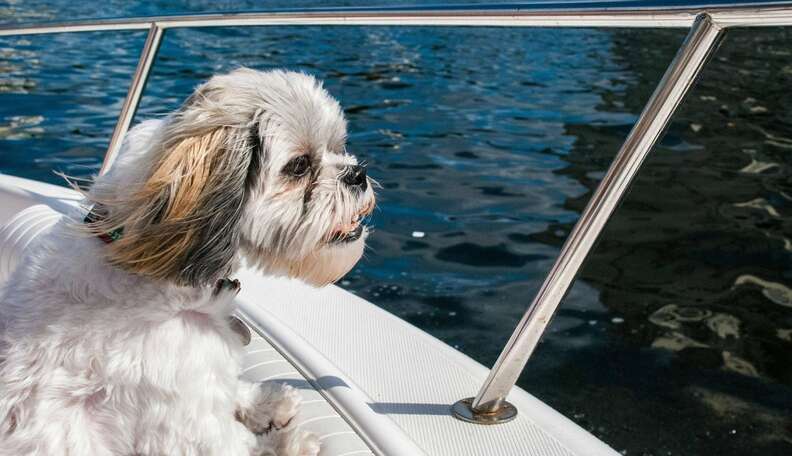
column 351, row 231
column 342, row 237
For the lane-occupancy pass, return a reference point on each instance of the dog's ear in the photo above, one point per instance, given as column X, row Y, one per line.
column 181, row 224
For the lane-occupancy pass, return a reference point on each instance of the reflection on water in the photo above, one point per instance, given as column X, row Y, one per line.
column 488, row 143
column 697, row 259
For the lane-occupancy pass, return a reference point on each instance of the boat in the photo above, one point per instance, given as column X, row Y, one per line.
column 371, row 382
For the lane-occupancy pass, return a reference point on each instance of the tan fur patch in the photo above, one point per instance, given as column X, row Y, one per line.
column 162, row 218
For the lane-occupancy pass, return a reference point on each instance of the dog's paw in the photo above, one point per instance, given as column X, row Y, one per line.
column 300, row 443
column 291, row 442
column 274, row 408
column 226, row 286
column 265, row 446
column 285, row 405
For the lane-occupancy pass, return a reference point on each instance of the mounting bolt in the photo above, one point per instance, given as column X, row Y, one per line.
column 463, row 410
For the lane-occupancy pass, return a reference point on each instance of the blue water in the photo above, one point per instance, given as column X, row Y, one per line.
column 488, row 142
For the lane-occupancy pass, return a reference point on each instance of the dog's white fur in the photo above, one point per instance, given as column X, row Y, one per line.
column 105, row 352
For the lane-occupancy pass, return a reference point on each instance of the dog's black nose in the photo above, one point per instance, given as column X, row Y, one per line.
column 355, row 176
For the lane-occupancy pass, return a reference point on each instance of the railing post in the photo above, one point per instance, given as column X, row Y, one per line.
column 132, row 100
column 490, row 405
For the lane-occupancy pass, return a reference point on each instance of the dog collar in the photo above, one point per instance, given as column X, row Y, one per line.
column 107, row 238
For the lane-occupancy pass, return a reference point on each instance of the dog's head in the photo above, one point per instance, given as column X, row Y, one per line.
column 252, row 163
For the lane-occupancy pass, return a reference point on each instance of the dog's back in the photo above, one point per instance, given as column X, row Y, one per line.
column 91, row 352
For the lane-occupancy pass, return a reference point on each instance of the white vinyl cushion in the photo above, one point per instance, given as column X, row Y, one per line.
column 20, row 232
column 262, row 363
column 406, row 377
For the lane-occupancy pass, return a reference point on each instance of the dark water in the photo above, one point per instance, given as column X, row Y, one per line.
column 676, row 339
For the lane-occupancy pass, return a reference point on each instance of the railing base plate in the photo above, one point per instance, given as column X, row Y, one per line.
column 463, row 410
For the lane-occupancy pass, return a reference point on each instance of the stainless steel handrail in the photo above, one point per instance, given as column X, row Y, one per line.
column 700, row 43
column 132, row 100
column 529, row 15
column 707, row 24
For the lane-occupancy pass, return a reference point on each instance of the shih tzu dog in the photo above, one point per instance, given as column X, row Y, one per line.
column 115, row 333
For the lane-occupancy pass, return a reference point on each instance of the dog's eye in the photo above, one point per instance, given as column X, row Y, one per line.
column 298, row 167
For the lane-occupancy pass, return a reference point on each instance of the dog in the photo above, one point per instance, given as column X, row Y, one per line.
column 115, row 333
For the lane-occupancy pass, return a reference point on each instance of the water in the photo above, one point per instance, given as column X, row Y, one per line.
column 677, row 337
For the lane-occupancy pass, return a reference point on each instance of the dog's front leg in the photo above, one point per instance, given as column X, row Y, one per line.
column 262, row 407
column 268, row 409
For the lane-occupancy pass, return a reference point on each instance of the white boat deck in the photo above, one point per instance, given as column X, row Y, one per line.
column 372, row 383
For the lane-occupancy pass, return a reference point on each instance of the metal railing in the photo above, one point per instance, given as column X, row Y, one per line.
column 706, row 22
column 700, row 43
